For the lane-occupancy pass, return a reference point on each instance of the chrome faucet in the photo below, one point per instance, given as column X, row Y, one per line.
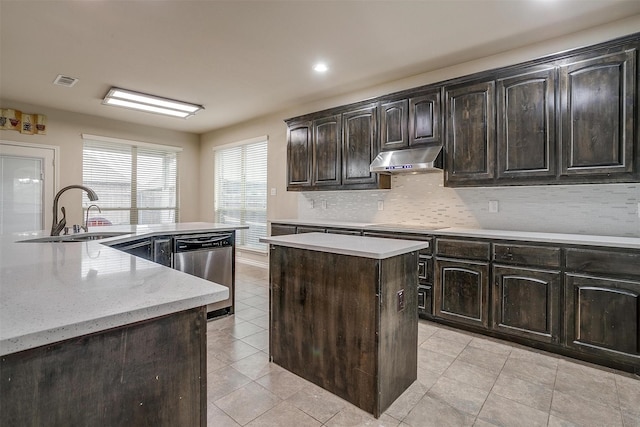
column 85, row 227
column 57, row 227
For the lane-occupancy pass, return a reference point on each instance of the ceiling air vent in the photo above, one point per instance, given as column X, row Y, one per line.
column 65, row 81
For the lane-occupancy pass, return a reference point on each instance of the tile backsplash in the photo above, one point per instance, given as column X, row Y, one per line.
column 422, row 199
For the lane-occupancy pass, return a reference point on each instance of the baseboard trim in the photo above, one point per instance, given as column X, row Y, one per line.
column 252, row 262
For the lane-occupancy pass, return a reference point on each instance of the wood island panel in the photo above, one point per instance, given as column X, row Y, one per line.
column 335, row 322
column 151, row 373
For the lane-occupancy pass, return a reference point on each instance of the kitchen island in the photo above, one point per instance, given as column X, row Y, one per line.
column 90, row 335
column 344, row 314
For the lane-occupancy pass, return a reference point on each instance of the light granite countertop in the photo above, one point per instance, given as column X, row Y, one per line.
column 359, row 246
column 514, row 235
column 50, row 292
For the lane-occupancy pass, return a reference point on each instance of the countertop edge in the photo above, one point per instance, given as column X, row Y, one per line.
column 347, row 245
column 62, row 333
column 14, row 340
column 514, row 235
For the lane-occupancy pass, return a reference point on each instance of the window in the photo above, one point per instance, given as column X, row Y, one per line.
column 241, row 190
column 136, row 182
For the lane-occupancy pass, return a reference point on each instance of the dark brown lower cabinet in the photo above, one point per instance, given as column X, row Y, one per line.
column 151, row 373
column 425, row 285
column 603, row 317
column 462, row 291
column 337, row 321
column 309, row 229
column 526, row 303
column 282, row 229
column 425, row 300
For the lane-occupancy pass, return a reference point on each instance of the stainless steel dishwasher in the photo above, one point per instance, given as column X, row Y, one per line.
column 211, row 257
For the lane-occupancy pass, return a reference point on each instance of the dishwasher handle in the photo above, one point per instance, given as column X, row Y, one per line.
column 186, row 244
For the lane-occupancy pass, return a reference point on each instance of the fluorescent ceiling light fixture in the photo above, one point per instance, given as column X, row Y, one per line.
column 149, row 103
column 320, row 67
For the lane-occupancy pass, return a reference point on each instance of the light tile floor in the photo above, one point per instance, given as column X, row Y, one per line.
column 464, row 379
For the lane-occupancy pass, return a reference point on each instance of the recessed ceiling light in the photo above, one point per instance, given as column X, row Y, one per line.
column 320, row 67
column 150, row 103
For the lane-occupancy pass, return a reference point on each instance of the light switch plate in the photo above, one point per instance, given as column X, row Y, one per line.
column 493, row 206
column 273, row 191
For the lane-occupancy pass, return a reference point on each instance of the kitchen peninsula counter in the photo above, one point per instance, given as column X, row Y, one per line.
column 83, row 325
column 54, row 291
column 344, row 313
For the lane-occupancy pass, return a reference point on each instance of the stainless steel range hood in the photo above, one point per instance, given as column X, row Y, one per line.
column 414, row 160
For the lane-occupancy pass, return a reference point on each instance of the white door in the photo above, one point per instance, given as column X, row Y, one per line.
column 28, row 186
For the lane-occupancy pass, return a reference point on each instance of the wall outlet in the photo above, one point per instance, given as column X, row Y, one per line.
column 311, row 204
column 493, row 206
column 380, row 205
column 324, row 204
column 273, row 191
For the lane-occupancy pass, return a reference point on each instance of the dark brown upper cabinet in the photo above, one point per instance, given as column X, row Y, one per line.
column 425, row 119
column 470, row 133
column 393, row 125
column 598, row 121
column 526, row 125
column 570, row 118
column 333, row 151
column 359, row 145
column 411, row 122
column 327, row 134
column 299, row 154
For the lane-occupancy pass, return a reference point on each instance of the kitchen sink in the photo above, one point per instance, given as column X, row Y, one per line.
column 83, row 237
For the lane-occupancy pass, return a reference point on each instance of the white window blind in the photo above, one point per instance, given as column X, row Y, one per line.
column 136, row 183
column 241, row 190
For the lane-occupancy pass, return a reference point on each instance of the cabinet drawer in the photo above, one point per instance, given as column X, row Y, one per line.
column 344, row 231
column 462, row 249
column 425, row 269
column 281, row 230
column 528, row 255
column 610, row 263
column 301, row 230
column 425, row 300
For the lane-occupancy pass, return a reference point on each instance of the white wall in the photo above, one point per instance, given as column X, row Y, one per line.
column 281, row 205
column 421, row 199
column 64, row 130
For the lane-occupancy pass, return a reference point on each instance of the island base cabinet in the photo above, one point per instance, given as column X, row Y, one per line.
column 346, row 323
column 151, row 373
column 603, row 318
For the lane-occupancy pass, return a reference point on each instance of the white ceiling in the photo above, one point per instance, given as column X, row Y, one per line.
column 242, row 59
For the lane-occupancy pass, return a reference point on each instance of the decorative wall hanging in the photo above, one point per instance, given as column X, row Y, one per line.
column 29, row 124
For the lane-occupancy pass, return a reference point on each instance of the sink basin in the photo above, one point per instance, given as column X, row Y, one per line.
column 83, row 237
